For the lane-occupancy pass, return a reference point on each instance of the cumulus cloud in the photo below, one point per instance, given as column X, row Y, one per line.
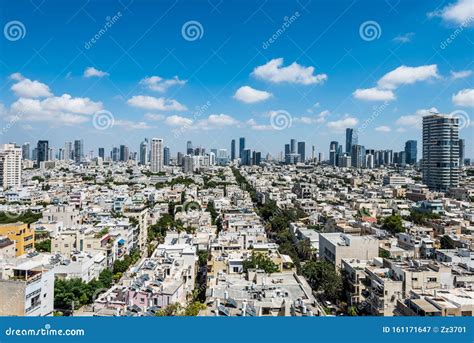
column 251, row 95
column 374, row 94
column 405, row 75
column 152, row 103
column 415, row 120
column 383, row 128
column 27, row 88
column 464, row 98
column 92, row 72
column 176, row 120
column 460, row 12
column 309, row 120
column 342, row 124
column 57, row 110
column 275, row 72
column 159, row 84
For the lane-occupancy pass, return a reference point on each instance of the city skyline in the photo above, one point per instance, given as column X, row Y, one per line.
column 362, row 82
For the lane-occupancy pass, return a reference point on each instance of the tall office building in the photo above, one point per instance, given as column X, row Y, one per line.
column 302, row 151
column 115, row 154
column 25, row 151
column 241, row 146
column 102, row 153
column 351, row 139
column 232, row 150
column 246, row 159
column 78, row 150
column 156, row 155
column 293, row 146
column 10, row 166
column 67, row 151
column 144, row 152
column 124, row 154
column 358, row 156
column 440, row 164
column 188, row 164
column 189, row 148
column 166, row 156
column 179, row 159
column 42, row 151
column 462, row 149
column 411, row 152
column 333, row 148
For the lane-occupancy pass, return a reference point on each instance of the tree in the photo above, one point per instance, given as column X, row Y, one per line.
column 260, row 261
column 43, row 246
column 322, row 276
column 193, row 308
column 393, row 224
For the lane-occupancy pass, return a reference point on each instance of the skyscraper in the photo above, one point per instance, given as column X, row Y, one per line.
column 156, row 155
column 25, row 151
column 42, row 151
column 351, row 139
column 78, row 150
column 462, row 148
column 189, row 148
column 333, row 147
column 123, row 153
column 440, row 165
column 410, row 152
column 246, row 158
column 68, row 152
column 241, row 146
column 144, row 152
column 358, row 156
column 102, row 153
column 166, row 156
column 302, row 151
column 115, row 154
column 293, row 146
column 232, row 150
column 10, row 166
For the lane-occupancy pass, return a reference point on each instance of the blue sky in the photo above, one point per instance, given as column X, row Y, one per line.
column 265, row 70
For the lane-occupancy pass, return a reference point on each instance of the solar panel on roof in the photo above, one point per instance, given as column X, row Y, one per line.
column 231, row 302
column 223, row 310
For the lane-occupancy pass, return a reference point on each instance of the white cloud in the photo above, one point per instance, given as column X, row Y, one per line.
column 342, row 124
column 215, row 121
column 374, row 94
column 251, row 95
column 383, row 129
column 460, row 74
column 324, row 114
column 274, row 72
column 56, row 110
column 27, row 88
column 176, row 120
column 154, row 117
column 464, row 97
column 405, row 75
column 92, row 72
column 158, row 84
column 406, row 38
column 152, row 103
column 460, row 12
column 309, row 120
column 415, row 120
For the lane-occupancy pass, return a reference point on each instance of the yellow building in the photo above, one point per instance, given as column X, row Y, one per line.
column 21, row 234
